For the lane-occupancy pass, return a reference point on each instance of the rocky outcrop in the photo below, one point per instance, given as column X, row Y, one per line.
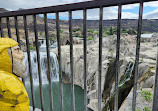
column 146, row 78
column 127, row 56
column 108, row 68
column 144, row 101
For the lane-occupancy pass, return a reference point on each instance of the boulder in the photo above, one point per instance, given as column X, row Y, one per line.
column 149, row 83
column 141, row 102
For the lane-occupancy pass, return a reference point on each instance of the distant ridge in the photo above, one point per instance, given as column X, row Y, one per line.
column 3, row 10
column 149, row 25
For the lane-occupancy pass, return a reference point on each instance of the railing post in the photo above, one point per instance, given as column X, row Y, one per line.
column 137, row 55
column 1, row 29
column 8, row 27
column 18, row 38
column 38, row 61
column 71, row 63
column 60, row 61
column 48, row 62
column 29, row 61
column 17, row 31
column 10, row 36
column 155, row 94
column 85, row 56
column 117, row 57
column 100, row 59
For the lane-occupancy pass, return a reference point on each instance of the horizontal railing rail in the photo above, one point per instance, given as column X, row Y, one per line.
column 73, row 7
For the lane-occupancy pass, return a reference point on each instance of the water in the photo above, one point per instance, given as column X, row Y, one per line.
column 43, row 45
column 43, row 63
column 79, row 92
column 146, row 35
column 79, row 97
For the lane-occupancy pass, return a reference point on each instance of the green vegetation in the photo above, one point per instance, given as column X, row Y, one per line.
column 41, row 33
column 96, row 32
column 51, row 38
column 146, row 108
column 109, row 31
column 61, row 31
column 147, row 95
column 32, row 47
column 77, row 29
column 80, row 36
column 90, row 38
column 129, row 31
column 77, row 32
column 90, row 30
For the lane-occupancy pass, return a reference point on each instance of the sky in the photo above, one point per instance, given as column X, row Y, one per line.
column 128, row 11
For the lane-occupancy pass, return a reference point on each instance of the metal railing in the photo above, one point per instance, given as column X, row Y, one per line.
column 73, row 7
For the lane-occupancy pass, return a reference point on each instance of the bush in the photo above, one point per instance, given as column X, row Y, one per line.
column 76, row 29
column 32, row 47
column 129, row 31
column 90, row 30
column 90, row 38
column 40, row 33
column 146, row 109
column 105, row 35
column 51, row 38
column 111, row 31
column 61, row 31
column 147, row 95
column 96, row 32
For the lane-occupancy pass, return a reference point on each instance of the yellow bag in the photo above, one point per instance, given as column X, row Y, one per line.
column 13, row 96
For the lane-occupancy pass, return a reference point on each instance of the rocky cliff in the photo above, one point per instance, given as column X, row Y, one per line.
column 127, row 57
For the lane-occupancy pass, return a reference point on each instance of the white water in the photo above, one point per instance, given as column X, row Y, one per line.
column 146, row 35
column 43, row 63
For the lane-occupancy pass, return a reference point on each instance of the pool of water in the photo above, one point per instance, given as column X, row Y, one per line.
column 79, row 97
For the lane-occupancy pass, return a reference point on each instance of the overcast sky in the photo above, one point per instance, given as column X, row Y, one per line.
column 129, row 11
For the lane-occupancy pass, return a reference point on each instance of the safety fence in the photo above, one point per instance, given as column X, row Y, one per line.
column 70, row 8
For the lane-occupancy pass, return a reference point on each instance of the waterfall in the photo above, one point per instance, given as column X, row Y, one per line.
column 43, row 63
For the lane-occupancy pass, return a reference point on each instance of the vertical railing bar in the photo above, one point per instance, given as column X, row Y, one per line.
column 8, row 27
column 38, row 61
column 155, row 94
column 60, row 61
column 9, row 35
column 137, row 55
column 71, row 62
column 117, row 57
column 18, row 38
column 29, row 61
column 17, row 31
column 48, row 61
column 100, row 59
column 1, row 26
column 2, row 35
column 85, row 56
